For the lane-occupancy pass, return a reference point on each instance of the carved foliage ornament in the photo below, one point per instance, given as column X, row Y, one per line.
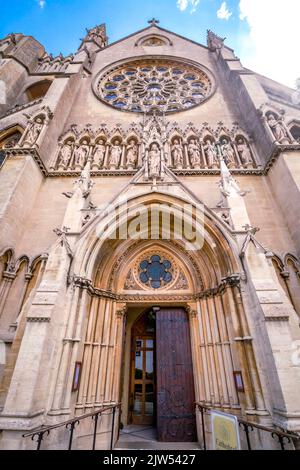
column 154, row 85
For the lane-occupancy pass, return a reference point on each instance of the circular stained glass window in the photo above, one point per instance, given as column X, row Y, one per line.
column 154, row 85
column 156, row 272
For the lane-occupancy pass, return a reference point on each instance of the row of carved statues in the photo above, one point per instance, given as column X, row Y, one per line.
column 179, row 154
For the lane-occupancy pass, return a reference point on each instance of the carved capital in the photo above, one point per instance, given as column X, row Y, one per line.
column 121, row 311
column 192, row 311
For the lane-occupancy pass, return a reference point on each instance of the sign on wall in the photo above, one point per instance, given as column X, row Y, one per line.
column 225, row 431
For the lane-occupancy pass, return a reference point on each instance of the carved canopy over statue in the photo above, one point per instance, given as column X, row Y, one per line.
column 126, row 150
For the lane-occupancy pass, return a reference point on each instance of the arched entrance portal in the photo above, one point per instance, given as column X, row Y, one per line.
column 119, row 280
column 161, row 376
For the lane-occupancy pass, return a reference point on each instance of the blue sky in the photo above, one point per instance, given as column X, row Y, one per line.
column 247, row 24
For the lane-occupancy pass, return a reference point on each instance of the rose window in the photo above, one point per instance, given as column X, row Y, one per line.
column 156, row 272
column 145, row 86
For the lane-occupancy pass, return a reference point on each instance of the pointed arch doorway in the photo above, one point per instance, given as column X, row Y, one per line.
column 161, row 374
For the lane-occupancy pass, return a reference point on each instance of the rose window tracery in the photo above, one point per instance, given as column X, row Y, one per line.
column 156, row 272
column 144, row 86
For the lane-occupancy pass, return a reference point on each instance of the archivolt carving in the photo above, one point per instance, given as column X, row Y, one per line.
column 125, row 149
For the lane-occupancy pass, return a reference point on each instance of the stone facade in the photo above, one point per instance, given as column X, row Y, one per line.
column 151, row 119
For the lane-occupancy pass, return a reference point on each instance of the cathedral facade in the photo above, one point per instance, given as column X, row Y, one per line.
column 149, row 238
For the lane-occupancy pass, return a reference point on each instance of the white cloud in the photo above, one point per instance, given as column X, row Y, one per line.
column 223, row 13
column 184, row 4
column 271, row 48
column 42, row 3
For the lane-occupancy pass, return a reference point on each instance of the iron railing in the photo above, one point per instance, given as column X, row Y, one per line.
column 282, row 438
column 39, row 434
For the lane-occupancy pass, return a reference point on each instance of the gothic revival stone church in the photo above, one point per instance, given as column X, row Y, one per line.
column 149, row 239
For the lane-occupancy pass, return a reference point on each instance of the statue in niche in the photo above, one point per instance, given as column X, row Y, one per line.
column 278, row 129
column 115, row 154
column 65, row 154
column 34, row 131
column 177, row 153
column 244, row 153
column 210, row 153
column 131, row 154
column 154, row 161
column 99, row 153
column 228, row 153
column 81, row 154
column 194, row 154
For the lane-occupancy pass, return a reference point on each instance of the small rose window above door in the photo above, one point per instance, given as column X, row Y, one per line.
column 156, row 272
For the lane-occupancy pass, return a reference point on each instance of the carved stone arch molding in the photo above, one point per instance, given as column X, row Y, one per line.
column 219, row 250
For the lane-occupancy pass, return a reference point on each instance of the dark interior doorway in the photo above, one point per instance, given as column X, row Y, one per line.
column 162, row 385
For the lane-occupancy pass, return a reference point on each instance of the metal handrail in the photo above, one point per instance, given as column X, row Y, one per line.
column 71, row 423
column 248, row 426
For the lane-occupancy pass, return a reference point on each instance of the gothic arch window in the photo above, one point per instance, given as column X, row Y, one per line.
column 37, row 90
column 156, row 84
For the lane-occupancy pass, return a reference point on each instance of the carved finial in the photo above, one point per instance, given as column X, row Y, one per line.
column 253, row 230
column 153, row 22
column 214, row 42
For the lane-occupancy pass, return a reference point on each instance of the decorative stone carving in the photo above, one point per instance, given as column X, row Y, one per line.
column 99, row 154
column 211, row 154
column 278, row 128
column 244, row 153
column 154, row 85
column 228, row 153
column 65, row 155
column 214, row 42
column 115, row 154
column 34, row 131
column 35, row 127
column 182, row 283
column 177, row 153
column 194, row 154
column 131, row 154
column 62, row 234
column 130, row 283
column 154, row 161
column 184, row 149
column 98, row 35
column 81, row 154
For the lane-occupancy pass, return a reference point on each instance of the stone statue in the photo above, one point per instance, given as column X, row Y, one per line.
column 194, row 153
column 278, row 129
column 99, row 153
column 154, row 161
column 34, row 131
column 131, row 154
column 65, row 154
column 211, row 153
column 81, row 154
column 177, row 153
column 244, row 153
column 228, row 154
column 115, row 154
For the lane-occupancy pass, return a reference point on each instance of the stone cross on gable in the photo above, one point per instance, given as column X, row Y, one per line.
column 153, row 22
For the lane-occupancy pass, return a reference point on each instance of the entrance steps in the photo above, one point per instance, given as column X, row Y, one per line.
column 144, row 438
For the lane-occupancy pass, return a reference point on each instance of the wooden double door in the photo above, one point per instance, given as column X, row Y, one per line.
column 162, row 385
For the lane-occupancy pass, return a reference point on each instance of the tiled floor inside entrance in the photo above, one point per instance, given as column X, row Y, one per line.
column 144, row 438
